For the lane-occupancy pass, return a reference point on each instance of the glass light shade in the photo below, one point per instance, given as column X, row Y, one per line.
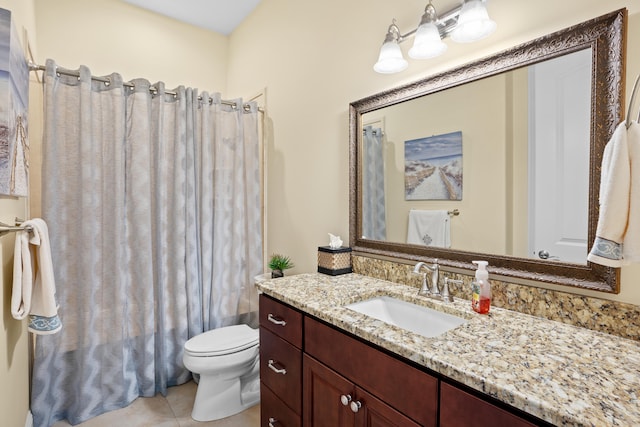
column 473, row 23
column 427, row 42
column 390, row 59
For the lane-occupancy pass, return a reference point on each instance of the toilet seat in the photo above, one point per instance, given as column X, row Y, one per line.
column 218, row 342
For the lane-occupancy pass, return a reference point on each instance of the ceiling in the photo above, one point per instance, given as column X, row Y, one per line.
column 221, row 16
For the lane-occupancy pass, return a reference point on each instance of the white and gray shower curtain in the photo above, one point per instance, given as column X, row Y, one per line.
column 153, row 207
column 374, row 218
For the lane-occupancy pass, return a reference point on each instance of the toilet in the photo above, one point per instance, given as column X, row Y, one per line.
column 227, row 361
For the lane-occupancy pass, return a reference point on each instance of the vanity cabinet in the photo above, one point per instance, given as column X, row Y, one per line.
column 314, row 375
column 280, row 364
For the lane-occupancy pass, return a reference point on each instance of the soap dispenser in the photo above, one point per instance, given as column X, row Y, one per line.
column 481, row 289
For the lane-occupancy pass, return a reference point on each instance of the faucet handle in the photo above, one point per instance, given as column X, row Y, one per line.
column 445, row 291
column 424, row 288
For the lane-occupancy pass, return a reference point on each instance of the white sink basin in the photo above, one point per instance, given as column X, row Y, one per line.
column 415, row 318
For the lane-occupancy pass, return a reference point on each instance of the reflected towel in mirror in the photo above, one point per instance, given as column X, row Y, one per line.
column 429, row 228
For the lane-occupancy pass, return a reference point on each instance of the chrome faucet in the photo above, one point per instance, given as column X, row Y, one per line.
column 435, row 278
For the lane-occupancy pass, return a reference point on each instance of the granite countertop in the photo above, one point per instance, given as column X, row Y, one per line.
column 560, row 373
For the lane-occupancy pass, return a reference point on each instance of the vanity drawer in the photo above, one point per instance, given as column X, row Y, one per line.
column 282, row 320
column 274, row 412
column 281, row 369
column 461, row 409
column 405, row 388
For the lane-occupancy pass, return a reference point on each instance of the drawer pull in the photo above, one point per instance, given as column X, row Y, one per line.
column 345, row 399
column 276, row 320
column 355, row 406
column 272, row 422
column 273, row 367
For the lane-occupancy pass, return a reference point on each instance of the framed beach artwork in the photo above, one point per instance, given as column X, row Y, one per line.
column 14, row 100
column 433, row 167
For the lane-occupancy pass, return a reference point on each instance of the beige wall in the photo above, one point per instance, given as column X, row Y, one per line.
column 113, row 36
column 14, row 353
column 314, row 62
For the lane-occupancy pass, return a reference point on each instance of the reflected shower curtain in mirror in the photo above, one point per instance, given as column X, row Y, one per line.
column 374, row 222
column 153, row 207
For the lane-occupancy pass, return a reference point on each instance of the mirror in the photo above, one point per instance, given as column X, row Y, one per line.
column 477, row 131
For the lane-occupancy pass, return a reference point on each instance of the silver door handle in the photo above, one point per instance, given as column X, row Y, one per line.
column 272, row 422
column 545, row 255
column 276, row 320
column 272, row 366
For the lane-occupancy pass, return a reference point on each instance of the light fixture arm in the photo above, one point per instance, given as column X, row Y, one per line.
column 445, row 23
column 393, row 33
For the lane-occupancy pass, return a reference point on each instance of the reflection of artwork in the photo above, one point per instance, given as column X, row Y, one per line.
column 14, row 96
column 433, row 167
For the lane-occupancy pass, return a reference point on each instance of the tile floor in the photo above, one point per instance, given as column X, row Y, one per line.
column 172, row 411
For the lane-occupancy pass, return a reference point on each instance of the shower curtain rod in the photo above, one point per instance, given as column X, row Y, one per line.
column 36, row 67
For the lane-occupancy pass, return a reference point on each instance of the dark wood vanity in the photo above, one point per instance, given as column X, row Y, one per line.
column 314, row 374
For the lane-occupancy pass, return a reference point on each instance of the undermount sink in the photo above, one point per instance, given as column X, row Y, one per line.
column 412, row 317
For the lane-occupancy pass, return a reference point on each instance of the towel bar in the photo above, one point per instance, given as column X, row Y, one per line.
column 6, row 228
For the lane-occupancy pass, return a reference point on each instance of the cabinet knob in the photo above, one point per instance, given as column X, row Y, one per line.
column 356, row 405
column 274, row 368
column 345, row 399
column 273, row 422
column 276, row 320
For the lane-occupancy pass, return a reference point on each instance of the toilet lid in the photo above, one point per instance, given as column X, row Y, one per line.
column 229, row 339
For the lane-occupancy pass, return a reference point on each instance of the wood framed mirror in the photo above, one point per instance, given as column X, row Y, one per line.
column 603, row 40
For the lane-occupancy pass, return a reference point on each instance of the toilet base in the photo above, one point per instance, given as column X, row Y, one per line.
column 217, row 399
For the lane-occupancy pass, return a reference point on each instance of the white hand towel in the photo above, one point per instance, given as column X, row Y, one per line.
column 618, row 232
column 429, row 228
column 34, row 288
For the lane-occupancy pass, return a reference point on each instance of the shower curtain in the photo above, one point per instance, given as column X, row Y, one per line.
column 153, row 206
column 374, row 222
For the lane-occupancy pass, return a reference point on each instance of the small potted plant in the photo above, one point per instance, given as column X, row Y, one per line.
column 279, row 263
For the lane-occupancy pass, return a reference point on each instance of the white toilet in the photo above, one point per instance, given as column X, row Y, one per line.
column 227, row 360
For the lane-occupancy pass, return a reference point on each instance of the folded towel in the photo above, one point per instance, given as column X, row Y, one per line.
column 430, row 228
column 34, row 288
column 618, row 233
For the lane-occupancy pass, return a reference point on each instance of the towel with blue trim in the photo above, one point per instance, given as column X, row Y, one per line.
column 34, row 287
column 617, row 239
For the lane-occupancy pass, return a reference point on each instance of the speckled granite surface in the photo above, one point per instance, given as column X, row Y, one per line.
column 592, row 313
column 560, row 373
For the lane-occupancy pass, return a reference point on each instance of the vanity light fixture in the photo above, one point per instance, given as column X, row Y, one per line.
column 466, row 23
column 390, row 59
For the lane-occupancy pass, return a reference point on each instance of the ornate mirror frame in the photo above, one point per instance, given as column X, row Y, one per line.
column 606, row 36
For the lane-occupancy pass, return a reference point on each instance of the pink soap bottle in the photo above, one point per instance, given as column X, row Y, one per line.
column 481, row 289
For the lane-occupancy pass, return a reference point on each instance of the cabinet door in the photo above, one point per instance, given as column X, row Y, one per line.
column 461, row 409
column 375, row 413
column 324, row 391
column 403, row 387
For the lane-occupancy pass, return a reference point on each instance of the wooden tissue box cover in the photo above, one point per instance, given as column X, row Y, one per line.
column 334, row 261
